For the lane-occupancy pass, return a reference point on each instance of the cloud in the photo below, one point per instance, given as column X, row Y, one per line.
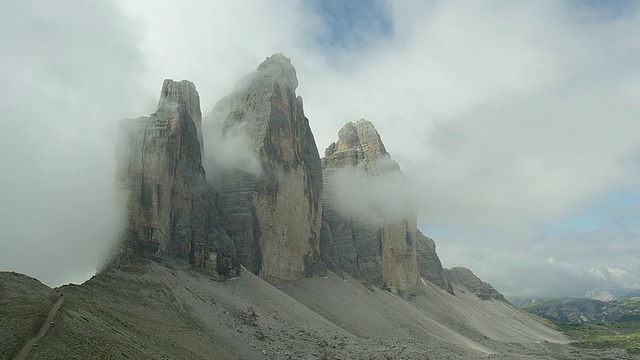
column 553, row 265
column 215, row 44
column 227, row 151
column 381, row 199
column 66, row 69
column 494, row 108
column 505, row 116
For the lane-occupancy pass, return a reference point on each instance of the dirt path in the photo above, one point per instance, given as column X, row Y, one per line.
column 26, row 348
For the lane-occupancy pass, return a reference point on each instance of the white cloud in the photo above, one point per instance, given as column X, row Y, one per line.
column 381, row 199
column 226, row 152
column 597, row 273
column 504, row 115
column 67, row 70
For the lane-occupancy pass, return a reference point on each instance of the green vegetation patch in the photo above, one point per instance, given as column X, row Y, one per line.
column 624, row 335
column 564, row 301
column 542, row 305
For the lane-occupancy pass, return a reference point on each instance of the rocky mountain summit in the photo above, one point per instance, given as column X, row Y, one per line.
column 274, row 217
column 292, row 218
column 577, row 311
column 160, row 173
column 374, row 247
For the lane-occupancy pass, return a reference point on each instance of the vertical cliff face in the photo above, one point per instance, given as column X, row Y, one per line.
column 374, row 246
column 429, row 263
column 274, row 217
column 169, row 207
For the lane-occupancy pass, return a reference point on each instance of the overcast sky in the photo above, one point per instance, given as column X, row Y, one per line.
column 517, row 122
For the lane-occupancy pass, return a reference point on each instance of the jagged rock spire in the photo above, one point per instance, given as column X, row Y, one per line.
column 274, row 218
column 159, row 169
column 278, row 67
column 375, row 252
column 183, row 92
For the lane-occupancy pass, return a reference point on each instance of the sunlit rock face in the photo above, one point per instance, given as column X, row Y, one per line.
column 273, row 216
column 371, row 241
column 170, row 211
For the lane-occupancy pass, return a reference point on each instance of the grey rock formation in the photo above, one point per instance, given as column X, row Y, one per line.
column 274, row 217
column 169, row 207
column 184, row 90
column 379, row 249
column 429, row 263
column 464, row 277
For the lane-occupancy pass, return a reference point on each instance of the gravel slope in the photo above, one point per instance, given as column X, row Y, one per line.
column 168, row 312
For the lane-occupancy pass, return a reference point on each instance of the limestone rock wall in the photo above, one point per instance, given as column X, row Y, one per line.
column 375, row 252
column 466, row 278
column 270, row 221
column 429, row 263
column 274, row 218
column 169, row 207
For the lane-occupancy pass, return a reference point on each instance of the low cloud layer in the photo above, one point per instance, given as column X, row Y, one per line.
column 227, row 151
column 506, row 117
column 66, row 71
column 381, row 199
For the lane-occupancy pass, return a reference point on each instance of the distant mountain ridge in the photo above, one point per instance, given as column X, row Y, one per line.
column 576, row 311
column 602, row 295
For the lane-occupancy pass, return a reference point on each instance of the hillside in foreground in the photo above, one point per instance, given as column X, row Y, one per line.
column 155, row 311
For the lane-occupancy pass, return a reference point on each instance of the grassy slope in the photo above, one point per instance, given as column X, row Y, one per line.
column 549, row 303
column 620, row 335
column 624, row 335
column 614, row 311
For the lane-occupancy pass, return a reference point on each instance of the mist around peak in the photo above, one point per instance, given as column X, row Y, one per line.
column 227, row 152
column 381, row 199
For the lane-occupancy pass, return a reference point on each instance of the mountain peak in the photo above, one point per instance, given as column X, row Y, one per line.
column 373, row 242
column 176, row 91
column 274, row 219
column 182, row 92
column 279, row 66
column 359, row 144
column 160, row 173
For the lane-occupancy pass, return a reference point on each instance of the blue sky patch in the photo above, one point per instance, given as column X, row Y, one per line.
column 607, row 10
column 352, row 24
column 618, row 210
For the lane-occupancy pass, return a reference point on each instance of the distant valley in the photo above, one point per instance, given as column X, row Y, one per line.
column 577, row 311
